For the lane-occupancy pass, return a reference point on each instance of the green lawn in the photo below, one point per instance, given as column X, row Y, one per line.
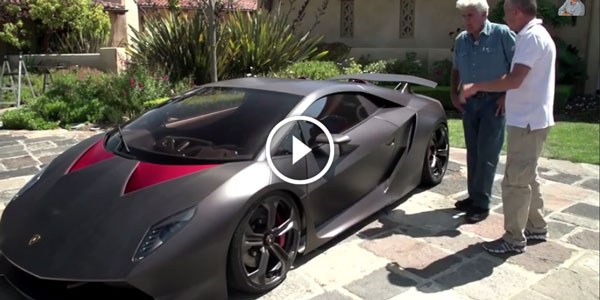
column 577, row 142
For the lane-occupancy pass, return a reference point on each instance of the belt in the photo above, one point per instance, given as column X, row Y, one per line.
column 486, row 94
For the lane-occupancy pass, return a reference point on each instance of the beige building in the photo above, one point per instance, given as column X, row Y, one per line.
column 390, row 28
column 379, row 28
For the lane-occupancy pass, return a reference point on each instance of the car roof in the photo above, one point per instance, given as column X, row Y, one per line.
column 299, row 87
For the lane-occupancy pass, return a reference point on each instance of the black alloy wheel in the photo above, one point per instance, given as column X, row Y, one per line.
column 265, row 244
column 436, row 156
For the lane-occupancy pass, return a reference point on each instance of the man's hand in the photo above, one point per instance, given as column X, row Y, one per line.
column 459, row 105
column 467, row 90
column 500, row 111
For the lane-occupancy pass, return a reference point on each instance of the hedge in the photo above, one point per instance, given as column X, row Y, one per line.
column 152, row 103
column 442, row 93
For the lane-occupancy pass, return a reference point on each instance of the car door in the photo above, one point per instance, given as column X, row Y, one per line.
column 360, row 165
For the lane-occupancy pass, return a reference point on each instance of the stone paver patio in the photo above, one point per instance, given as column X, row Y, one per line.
column 420, row 249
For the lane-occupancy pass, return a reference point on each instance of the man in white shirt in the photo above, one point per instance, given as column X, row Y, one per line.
column 572, row 8
column 529, row 104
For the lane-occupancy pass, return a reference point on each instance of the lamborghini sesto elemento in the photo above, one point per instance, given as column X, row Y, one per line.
column 180, row 203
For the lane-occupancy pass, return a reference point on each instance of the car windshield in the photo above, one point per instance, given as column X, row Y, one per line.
column 212, row 124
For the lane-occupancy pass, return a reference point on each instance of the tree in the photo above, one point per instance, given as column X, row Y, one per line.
column 212, row 30
column 80, row 16
column 12, row 18
column 210, row 9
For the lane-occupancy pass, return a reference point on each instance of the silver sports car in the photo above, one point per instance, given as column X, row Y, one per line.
column 184, row 203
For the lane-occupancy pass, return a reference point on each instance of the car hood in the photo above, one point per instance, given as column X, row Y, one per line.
column 87, row 225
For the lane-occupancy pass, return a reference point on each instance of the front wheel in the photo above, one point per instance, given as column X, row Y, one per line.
column 265, row 244
column 436, row 156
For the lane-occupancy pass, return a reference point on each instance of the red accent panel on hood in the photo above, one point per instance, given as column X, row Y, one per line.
column 92, row 155
column 147, row 174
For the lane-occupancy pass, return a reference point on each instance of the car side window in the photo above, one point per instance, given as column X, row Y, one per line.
column 338, row 112
column 285, row 148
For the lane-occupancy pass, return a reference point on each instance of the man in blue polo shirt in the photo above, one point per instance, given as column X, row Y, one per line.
column 483, row 52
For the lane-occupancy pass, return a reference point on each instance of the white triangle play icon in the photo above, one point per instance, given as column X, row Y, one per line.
column 299, row 150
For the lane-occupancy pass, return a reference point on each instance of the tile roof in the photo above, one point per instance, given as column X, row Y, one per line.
column 111, row 6
column 187, row 4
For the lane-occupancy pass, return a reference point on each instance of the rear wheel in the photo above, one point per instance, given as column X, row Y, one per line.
column 265, row 244
column 436, row 156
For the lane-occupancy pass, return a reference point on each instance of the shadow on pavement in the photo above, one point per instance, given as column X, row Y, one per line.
column 473, row 270
column 433, row 223
column 302, row 259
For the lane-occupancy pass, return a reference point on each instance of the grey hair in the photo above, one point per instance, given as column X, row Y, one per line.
column 528, row 7
column 480, row 5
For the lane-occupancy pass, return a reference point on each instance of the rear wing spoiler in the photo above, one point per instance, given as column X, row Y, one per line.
column 403, row 80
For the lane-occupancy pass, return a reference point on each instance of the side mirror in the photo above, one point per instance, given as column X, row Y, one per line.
column 338, row 139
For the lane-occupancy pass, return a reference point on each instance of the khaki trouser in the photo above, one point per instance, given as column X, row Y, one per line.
column 521, row 196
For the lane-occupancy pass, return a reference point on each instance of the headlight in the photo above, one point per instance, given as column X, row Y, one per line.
column 162, row 232
column 29, row 183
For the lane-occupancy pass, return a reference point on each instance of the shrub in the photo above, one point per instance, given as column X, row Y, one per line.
column 364, row 60
column 376, row 67
column 570, row 67
column 350, row 66
column 409, row 66
column 562, row 94
column 73, row 100
column 84, row 42
column 440, row 93
column 131, row 90
column 26, row 95
column 152, row 103
column 584, row 108
column 316, row 70
column 268, row 43
column 336, row 52
column 178, row 45
column 25, row 118
column 86, row 95
column 441, row 71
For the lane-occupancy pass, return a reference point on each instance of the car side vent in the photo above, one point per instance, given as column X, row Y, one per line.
column 160, row 233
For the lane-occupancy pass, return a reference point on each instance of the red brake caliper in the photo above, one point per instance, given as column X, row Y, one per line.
column 280, row 239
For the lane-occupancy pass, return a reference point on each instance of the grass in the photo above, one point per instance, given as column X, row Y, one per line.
column 576, row 142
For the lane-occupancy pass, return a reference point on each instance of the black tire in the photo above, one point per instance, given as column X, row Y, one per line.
column 265, row 244
column 436, row 156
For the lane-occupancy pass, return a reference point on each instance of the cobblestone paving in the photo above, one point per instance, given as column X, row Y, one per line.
column 421, row 249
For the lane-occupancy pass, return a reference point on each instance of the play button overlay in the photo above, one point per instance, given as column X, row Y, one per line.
column 300, row 150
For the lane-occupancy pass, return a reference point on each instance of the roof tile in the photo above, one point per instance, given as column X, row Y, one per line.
column 237, row 4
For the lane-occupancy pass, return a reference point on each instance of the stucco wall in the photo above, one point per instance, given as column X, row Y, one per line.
column 376, row 24
column 376, row 29
column 133, row 18
column 122, row 23
column 118, row 29
column 109, row 59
